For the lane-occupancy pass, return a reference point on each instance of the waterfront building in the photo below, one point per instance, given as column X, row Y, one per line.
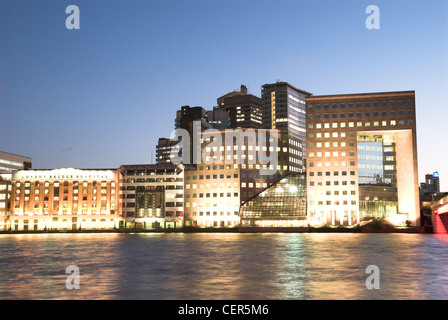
column 283, row 204
column 151, row 195
column 362, row 158
column 5, row 199
column 64, row 199
column 244, row 109
column 11, row 162
column 230, row 175
column 283, row 108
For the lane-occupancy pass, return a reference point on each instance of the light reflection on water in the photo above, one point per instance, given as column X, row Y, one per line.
column 224, row 266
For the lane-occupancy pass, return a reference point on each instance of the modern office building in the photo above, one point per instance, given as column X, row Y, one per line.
column 362, row 158
column 432, row 183
column 244, row 109
column 11, row 162
column 151, row 195
column 185, row 117
column 283, row 204
column 217, row 119
column 5, row 199
column 64, row 199
column 283, row 108
column 231, row 174
column 163, row 150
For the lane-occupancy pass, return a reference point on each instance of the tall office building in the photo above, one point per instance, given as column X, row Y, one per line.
column 11, row 162
column 244, row 109
column 283, row 108
column 185, row 117
column 432, row 182
column 163, row 150
column 362, row 158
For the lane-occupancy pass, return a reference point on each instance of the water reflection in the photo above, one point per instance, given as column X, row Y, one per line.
column 224, row 266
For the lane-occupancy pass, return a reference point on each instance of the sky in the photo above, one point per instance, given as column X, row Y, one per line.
column 100, row 96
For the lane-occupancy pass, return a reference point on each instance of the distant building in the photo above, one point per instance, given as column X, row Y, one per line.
column 163, row 150
column 362, row 158
column 64, row 199
column 11, row 162
column 244, row 109
column 431, row 184
column 214, row 119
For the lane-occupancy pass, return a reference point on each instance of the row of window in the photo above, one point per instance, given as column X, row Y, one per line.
column 141, row 180
column 65, row 212
column 360, row 124
column 334, row 203
column 360, row 114
column 337, row 192
column 56, row 193
column 361, row 104
column 214, row 195
column 56, row 199
column 27, row 184
column 215, row 204
column 328, row 154
column 328, row 173
column 335, row 183
column 212, row 213
column 65, row 205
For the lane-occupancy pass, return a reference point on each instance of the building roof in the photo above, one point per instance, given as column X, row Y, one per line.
column 352, row 95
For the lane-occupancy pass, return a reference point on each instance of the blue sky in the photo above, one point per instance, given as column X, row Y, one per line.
column 101, row 96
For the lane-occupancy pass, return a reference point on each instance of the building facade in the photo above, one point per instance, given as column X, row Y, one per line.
column 283, row 204
column 283, row 108
column 432, row 183
column 64, row 199
column 163, row 150
column 151, row 195
column 244, row 109
column 362, row 158
column 5, row 200
column 11, row 162
column 230, row 175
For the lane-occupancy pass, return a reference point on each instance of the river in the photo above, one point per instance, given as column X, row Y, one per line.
column 198, row 266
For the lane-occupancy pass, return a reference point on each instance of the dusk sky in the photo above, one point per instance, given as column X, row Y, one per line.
column 101, row 96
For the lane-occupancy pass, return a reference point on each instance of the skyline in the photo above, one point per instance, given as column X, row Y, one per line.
column 121, row 84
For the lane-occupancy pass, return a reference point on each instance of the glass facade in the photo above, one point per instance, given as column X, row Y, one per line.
column 282, row 204
column 376, row 160
column 377, row 176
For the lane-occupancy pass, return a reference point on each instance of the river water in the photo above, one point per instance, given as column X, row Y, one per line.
column 224, row 266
